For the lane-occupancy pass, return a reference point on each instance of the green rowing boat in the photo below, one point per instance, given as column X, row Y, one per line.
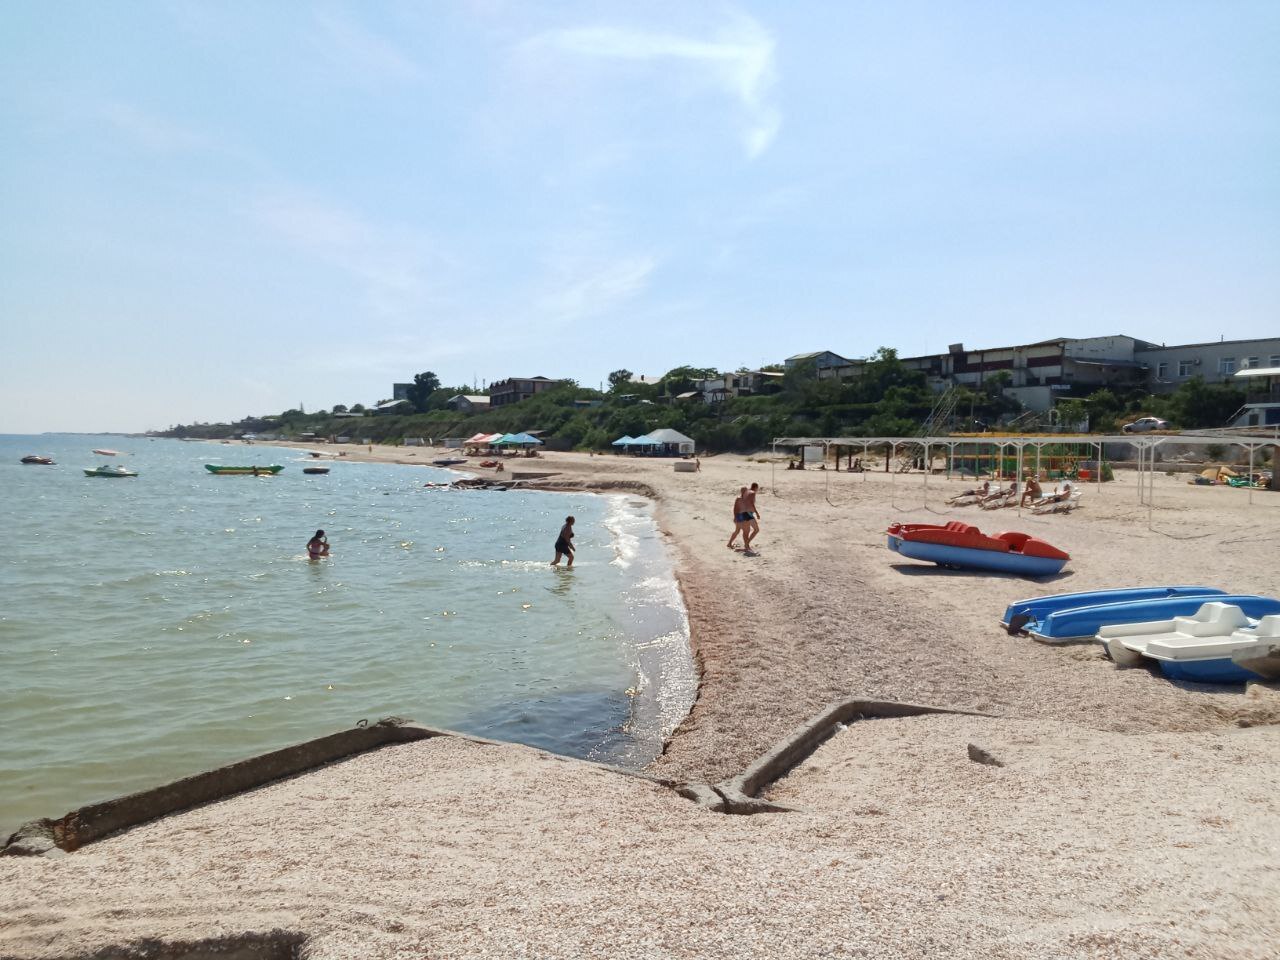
column 220, row 471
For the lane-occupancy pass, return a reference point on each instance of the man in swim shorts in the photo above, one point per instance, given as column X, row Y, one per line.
column 739, row 520
column 564, row 548
column 750, row 514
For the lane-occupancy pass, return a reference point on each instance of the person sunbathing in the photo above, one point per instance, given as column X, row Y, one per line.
column 973, row 495
column 1058, row 496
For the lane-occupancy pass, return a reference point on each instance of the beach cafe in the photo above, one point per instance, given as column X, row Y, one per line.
column 657, row 443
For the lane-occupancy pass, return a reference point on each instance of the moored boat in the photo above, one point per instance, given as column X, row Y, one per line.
column 449, row 461
column 964, row 546
column 315, row 469
column 106, row 453
column 47, row 461
column 1083, row 623
column 109, row 471
column 219, row 470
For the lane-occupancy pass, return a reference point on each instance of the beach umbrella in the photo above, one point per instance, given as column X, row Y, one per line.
column 622, row 441
column 525, row 438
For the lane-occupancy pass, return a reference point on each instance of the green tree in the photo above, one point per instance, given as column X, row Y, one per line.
column 357, row 408
column 424, row 384
column 619, row 379
column 339, row 408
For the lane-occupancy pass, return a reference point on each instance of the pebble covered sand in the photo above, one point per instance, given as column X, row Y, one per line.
column 1132, row 817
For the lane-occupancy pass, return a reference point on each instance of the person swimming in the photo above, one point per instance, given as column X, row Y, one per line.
column 317, row 546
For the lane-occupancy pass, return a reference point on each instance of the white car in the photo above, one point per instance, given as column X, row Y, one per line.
column 1143, row 424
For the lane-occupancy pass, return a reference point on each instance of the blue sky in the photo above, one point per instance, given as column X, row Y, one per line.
column 210, row 210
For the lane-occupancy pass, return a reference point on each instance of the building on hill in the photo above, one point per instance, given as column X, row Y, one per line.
column 1217, row 362
column 469, row 403
column 820, row 359
column 400, row 391
column 515, row 389
column 744, row 383
column 393, row 406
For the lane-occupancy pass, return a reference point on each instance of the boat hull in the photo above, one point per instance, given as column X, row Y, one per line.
column 1084, row 623
column 949, row 555
column 1035, row 609
column 220, row 471
column 315, row 470
column 107, row 473
column 1217, row 670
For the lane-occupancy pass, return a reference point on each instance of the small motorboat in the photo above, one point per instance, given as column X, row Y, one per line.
column 47, row 461
column 1034, row 610
column 488, row 463
column 107, row 453
column 221, row 471
column 963, row 546
column 315, row 469
column 449, row 461
column 1207, row 647
column 1083, row 623
column 109, row 470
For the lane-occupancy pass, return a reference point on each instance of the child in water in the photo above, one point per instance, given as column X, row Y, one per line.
column 318, row 546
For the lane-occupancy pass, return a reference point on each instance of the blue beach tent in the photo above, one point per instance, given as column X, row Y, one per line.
column 622, row 441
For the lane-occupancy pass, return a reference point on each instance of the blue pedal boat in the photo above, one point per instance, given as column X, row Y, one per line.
column 1032, row 611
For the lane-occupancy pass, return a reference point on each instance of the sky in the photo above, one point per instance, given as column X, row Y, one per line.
column 210, row 210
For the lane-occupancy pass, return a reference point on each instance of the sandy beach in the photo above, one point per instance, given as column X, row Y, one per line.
column 1132, row 817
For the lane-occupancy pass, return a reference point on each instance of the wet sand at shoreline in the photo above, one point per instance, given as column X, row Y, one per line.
column 1124, row 799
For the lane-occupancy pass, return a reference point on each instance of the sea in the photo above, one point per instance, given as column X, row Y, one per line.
column 157, row 626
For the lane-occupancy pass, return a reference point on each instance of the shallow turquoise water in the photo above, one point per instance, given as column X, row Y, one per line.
column 154, row 627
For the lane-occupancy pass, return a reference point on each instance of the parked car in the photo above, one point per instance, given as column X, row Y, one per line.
column 1143, row 424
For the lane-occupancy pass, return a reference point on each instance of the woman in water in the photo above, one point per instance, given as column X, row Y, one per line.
column 563, row 547
column 318, row 546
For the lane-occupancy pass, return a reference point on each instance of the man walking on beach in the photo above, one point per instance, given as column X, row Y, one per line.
column 739, row 523
column 751, row 513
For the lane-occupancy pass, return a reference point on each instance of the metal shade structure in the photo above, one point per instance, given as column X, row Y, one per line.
column 1026, row 450
column 622, row 441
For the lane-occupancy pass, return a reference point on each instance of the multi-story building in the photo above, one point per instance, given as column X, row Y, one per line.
column 400, row 391
column 1037, row 372
column 1218, row 362
column 515, row 389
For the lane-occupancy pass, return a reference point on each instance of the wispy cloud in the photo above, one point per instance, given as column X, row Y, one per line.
column 584, row 289
column 740, row 59
column 388, row 261
column 361, row 52
column 155, row 133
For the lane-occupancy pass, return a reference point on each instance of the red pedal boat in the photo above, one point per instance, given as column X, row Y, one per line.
column 960, row 545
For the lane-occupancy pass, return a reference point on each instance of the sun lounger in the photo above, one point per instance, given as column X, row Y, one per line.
column 1052, row 505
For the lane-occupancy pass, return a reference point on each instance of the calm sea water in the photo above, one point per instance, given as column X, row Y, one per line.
column 153, row 627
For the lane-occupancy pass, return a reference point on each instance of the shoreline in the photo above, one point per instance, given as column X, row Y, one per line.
column 1074, row 809
column 380, row 453
column 824, row 613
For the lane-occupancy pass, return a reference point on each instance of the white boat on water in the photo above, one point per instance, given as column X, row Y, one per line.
column 107, row 453
column 109, row 470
